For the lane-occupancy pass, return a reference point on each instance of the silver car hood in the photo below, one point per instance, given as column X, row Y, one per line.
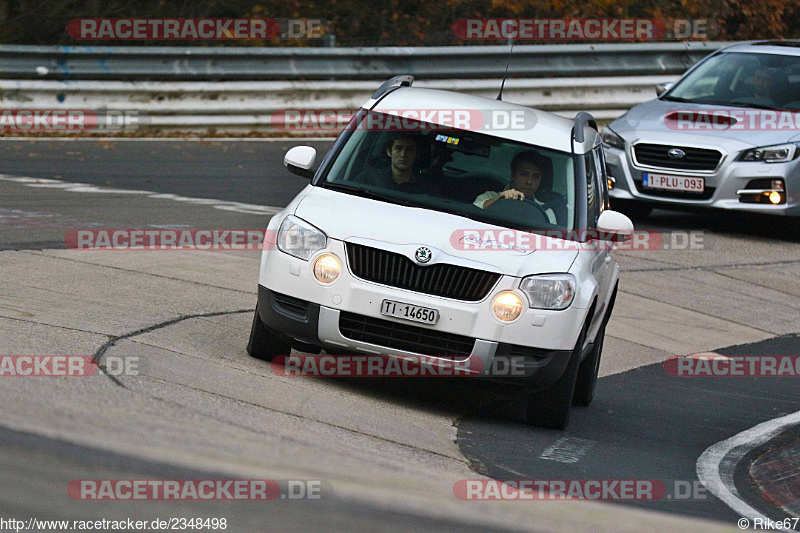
column 646, row 122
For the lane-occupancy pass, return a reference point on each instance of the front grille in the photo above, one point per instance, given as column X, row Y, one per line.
column 655, row 155
column 396, row 270
column 404, row 336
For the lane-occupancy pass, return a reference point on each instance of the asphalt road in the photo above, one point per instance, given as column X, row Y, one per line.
column 644, row 424
column 202, row 408
column 240, row 171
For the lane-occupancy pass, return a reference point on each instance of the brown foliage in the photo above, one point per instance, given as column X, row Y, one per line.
column 390, row 22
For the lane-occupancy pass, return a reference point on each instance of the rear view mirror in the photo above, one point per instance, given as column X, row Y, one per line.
column 661, row 88
column 614, row 226
column 300, row 160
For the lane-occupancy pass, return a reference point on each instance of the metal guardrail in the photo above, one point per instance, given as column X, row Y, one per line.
column 273, row 64
column 191, row 89
column 244, row 106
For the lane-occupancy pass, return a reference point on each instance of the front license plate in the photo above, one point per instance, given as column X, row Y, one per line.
column 409, row 312
column 673, row 183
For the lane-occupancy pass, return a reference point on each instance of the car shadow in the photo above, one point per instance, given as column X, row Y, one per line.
column 724, row 223
column 454, row 397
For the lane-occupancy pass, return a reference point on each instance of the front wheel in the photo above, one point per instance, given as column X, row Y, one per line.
column 551, row 408
column 587, row 373
column 263, row 343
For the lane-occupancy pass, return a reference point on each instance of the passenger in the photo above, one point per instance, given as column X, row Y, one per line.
column 403, row 151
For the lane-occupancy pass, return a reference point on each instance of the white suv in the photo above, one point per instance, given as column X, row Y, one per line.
column 487, row 241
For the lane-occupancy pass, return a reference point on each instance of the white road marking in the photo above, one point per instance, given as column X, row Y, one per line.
column 716, row 465
column 567, row 450
column 239, row 207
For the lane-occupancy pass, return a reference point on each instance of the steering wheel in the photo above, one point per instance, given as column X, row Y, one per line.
column 521, row 210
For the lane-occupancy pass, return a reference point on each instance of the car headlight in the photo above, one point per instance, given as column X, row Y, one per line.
column 612, row 140
column 507, row 306
column 549, row 291
column 299, row 238
column 779, row 153
column 327, row 268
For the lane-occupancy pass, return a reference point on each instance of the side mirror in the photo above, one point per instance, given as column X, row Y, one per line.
column 661, row 88
column 614, row 226
column 300, row 160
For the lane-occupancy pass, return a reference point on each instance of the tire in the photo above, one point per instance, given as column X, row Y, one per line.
column 587, row 372
column 263, row 343
column 551, row 408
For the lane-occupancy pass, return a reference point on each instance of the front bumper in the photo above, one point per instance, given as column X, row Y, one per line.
column 308, row 326
column 724, row 183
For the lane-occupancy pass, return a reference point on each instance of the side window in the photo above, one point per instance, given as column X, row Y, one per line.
column 602, row 186
column 594, row 196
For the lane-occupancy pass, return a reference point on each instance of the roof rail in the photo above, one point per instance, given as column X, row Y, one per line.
column 581, row 120
column 397, row 81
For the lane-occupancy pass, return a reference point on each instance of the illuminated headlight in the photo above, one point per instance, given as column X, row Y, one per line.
column 327, row 268
column 612, row 140
column 549, row 291
column 299, row 238
column 507, row 306
column 780, row 153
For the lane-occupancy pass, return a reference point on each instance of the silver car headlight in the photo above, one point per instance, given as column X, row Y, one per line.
column 299, row 238
column 549, row 291
column 612, row 140
column 779, row 153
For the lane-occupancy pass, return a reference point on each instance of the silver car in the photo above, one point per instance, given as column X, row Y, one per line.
column 726, row 135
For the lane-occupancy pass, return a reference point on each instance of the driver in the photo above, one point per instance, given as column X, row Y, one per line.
column 527, row 171
column 763, row 85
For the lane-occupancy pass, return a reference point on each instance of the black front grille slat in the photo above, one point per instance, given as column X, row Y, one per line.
column 655, row 155
column 396, row 270
column 291, row 305
column 404, row 337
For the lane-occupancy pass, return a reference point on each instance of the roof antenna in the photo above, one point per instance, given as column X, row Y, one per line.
column 505, row 74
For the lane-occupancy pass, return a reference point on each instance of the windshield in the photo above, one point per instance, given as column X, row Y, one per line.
column 475, row 175
column 743, row 80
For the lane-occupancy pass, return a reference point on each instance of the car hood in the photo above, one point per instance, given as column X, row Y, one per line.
column 352, row 218
column 647, row 121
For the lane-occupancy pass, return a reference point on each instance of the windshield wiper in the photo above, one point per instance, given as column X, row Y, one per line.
column 365, row 193
column 678, row 99
column 730, row 104
column 754, row 106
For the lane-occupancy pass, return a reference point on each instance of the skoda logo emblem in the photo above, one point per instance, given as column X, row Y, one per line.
column 676, row 153
column 423, row 254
